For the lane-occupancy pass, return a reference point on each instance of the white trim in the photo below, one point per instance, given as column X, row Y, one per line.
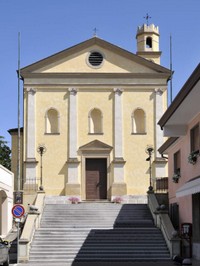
column 189, row 188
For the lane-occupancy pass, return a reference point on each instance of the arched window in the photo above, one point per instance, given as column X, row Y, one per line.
column 138, row 121
column 52, row 121
column 148, row 42
column 95, row 121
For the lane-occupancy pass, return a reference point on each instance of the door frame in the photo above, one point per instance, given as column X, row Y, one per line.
column 95, row 150
column 106, row 177
column 83, row 174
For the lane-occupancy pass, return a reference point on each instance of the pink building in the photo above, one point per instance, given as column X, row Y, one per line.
column 181, row 123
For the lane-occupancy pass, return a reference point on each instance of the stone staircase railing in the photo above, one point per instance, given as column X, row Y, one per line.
column 162, row 221
column 32, row 223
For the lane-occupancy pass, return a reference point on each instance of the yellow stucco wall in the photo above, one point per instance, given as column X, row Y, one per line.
column 88, row 100
column 136, row 171
column 54, row 159
column 113, row 63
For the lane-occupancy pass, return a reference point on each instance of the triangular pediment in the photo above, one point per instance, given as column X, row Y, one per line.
column 74, row 60
column 95, row 145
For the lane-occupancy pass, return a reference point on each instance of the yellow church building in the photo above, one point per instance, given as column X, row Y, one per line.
column 90, row 112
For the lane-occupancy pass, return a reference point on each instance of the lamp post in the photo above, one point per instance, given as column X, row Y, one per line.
column 149, row 150
column 41, row 150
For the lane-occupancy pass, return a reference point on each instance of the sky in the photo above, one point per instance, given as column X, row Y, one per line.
column 50, row 26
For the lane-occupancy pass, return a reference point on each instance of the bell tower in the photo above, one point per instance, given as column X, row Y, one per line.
column 148, row 42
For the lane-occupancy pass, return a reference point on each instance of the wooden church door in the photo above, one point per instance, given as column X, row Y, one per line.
column 96, row 179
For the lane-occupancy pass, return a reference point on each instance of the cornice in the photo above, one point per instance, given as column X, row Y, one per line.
column 95, row 75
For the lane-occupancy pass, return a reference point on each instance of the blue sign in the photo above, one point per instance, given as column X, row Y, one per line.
column 18, row 211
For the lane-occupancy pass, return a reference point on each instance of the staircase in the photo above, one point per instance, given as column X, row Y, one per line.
column 87, row 233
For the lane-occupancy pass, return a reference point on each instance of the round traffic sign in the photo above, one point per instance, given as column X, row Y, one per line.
column 18, row 211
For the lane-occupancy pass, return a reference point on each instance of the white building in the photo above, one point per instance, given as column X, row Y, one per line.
column 6, row 200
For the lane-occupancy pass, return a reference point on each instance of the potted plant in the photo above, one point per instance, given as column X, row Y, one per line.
column 175, row 177
column 192, row 158
column 74, row 200
column 117, row 199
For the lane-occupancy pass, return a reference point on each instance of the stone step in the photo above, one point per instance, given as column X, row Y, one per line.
column 102, row 236
column 101, row 257
column 95, row 232
column 91, row 246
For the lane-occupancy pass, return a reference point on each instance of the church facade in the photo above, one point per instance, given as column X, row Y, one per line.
column 90, row 112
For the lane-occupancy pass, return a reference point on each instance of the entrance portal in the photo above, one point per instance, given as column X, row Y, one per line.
column 96, row 179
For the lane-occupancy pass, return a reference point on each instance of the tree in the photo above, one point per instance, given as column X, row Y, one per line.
column 5, row 154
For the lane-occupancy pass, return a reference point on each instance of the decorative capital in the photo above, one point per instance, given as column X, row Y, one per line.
column 159, row 91
column 73, row 161
column 31, row 91
column 118, row 91
column 73, row 91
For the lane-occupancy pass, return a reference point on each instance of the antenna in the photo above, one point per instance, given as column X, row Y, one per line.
column 18, row 139
column 171, row 75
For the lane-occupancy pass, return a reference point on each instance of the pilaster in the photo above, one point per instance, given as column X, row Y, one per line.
column 160, row 163
column 72, row 122
column 118, row 146
column 72, row 186
column 31, row 123
column 118, row 186
column 30, row 163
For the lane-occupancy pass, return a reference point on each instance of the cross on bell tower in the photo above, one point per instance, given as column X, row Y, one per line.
column 147, row 17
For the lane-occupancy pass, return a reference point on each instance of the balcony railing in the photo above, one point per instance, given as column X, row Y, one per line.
column 32, row 184
column 161, row 185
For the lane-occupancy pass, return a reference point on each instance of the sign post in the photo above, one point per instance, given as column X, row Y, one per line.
column 18, row 211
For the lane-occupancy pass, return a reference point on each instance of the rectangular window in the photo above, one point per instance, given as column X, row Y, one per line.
column 194, row 138
column 177, row 162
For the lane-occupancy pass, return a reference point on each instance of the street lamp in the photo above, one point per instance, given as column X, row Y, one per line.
column 149, row 150
column 41, row 150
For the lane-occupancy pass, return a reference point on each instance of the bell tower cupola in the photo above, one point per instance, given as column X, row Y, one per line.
column 148, row 42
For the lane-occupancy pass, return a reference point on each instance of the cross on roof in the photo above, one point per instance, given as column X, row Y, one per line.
column 95, row 32
column 147, row 17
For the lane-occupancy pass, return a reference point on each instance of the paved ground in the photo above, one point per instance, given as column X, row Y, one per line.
column 161, row 263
